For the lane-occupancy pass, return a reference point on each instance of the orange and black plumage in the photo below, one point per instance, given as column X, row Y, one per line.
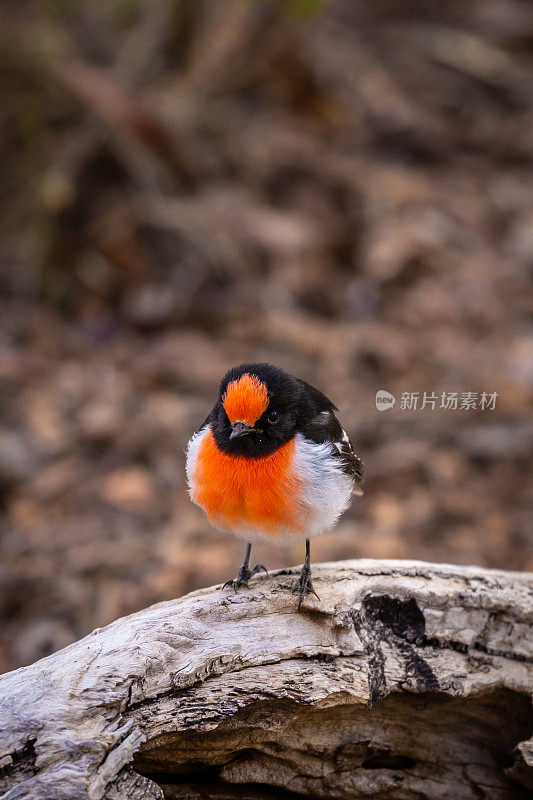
column 272, row 463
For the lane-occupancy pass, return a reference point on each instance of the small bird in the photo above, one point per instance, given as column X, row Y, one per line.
column 272, row 463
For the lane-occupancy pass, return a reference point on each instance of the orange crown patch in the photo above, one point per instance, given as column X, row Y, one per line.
column 245, row 399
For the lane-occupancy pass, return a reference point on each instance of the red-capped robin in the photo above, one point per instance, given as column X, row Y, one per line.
column 272, row 463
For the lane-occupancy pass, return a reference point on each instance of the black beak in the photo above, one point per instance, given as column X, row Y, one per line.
column 240, row 429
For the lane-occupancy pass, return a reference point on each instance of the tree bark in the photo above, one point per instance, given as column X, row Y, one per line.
column 405, row 680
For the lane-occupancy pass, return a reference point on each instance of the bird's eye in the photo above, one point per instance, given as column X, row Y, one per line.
column 273, row 417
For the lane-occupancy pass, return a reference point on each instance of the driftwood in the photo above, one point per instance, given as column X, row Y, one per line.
column 405, row 680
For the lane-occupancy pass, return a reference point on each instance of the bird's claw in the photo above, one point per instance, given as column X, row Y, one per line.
column 257, row 568
column 235, row 583
column 304, row 586
column 244, row 576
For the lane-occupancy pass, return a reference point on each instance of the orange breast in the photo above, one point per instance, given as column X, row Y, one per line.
column 238, row 492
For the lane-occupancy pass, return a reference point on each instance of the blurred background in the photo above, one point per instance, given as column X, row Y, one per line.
column 343, row 189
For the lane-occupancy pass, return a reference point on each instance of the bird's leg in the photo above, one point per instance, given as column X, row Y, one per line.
column 245, row 573
column 304, row 585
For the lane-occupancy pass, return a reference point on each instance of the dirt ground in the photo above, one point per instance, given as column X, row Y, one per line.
column 345, row 192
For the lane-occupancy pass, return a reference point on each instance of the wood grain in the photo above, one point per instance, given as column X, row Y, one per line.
column 405, row 680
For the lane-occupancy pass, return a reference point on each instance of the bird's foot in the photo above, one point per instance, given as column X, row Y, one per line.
column 244, row 576
column 304, row 586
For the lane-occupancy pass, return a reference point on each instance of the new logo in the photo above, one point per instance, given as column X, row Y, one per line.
column 384, row 400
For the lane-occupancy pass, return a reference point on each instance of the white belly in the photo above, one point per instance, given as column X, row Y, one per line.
column 326, row 488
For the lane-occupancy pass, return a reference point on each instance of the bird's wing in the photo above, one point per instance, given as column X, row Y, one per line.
column 352, row 464
column 325, row 427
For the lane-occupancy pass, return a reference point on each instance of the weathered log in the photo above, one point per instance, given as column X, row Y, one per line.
column 405, row 680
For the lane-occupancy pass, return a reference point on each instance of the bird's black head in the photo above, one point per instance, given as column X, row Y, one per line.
column 257, row 410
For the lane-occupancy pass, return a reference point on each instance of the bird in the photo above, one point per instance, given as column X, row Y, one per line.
column 272, row 464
